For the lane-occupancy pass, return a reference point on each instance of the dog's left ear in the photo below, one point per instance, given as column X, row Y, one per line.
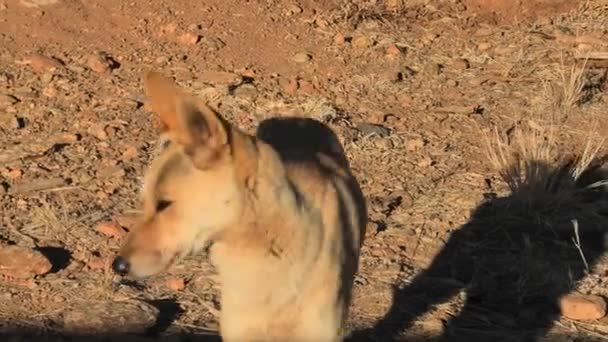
column 188, row 121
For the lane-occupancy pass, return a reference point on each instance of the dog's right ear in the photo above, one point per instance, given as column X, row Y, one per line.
column 187, row 121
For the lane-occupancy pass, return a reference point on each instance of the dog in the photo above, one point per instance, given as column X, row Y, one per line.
column 281, row 213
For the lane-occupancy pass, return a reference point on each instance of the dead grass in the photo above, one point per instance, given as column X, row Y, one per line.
column 571, row 85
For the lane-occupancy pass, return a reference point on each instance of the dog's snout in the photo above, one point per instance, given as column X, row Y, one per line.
column 120, row 265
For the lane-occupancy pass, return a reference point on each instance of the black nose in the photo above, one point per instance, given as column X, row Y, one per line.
column 120, row 265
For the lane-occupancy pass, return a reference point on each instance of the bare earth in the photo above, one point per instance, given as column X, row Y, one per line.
column 419, row 91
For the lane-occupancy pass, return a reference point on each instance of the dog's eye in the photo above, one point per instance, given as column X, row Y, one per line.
column 162, row 205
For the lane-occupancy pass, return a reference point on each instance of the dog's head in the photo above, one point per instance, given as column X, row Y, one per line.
column 193, row 190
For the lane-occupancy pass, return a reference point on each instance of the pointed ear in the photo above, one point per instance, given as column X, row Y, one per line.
column 188, row 121
column 202, row 132
column 162, row 93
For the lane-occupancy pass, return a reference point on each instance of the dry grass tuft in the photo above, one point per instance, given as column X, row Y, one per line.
column 571, row 86
column 545, row 179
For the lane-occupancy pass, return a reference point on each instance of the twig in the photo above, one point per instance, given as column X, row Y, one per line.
column 38, row 185
column 577, row 243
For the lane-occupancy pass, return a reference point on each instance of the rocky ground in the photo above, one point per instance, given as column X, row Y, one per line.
column 441, row 104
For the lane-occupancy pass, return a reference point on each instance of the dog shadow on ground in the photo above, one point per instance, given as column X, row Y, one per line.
column 514, row 259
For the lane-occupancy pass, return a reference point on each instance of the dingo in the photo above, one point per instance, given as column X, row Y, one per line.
column 282, row 214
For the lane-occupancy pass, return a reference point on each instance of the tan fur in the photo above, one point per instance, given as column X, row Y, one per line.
column 282, row 212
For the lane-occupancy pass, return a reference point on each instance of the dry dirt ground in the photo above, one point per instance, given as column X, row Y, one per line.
column 453, row 112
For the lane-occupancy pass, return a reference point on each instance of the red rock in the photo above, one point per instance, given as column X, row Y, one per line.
column 582, row 307
column 42, row 63
column 339, row 39
column 99, row 64
column 22, row 263
column 176, row 284
column 14, row 174
column 97, row 263
column 111, row 229
column 392, row 51
column 189, row 38
column 129, row 153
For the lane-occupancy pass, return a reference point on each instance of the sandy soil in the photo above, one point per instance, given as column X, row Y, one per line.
column 424, row 94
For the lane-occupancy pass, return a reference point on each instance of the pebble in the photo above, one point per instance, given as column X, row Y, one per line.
column 189, row 38
column 361, row 42
column 451, row 83
column 101, row 63
column 22, row 263
column 414, row 144
column 14, row 174
column 129, row 153
column 111, row 229
column 484, row 46
column 97, row 263
column 339, row 39
column 41, row 63
column 302, row 57
column 582, row 307
column 176, row 284
column 392, row 51
column 461, row 64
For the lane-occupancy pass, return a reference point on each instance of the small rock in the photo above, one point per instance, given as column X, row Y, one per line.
column 392, row 51
column 14, row 174
column 414, row 144
column 302, row 57
column 391, row 76
column 111, row 229
column 361, row 42
column 582, row 307
column 461, row 64
column 384, row 144
column 97, row 263
column 42, row 63
column 101, row 63
column 189, row 38
column 22, row 263
column 7, row 100
column 176, row 284
column 339, row 39
column 451, row 83
column 370, row 128
column 129, row 153
column 293, row 9
column 425, row 162
column 221, row 78
column 484, row 46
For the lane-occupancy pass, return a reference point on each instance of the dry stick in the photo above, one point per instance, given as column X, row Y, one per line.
column 577, row 243
column 38, row 185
